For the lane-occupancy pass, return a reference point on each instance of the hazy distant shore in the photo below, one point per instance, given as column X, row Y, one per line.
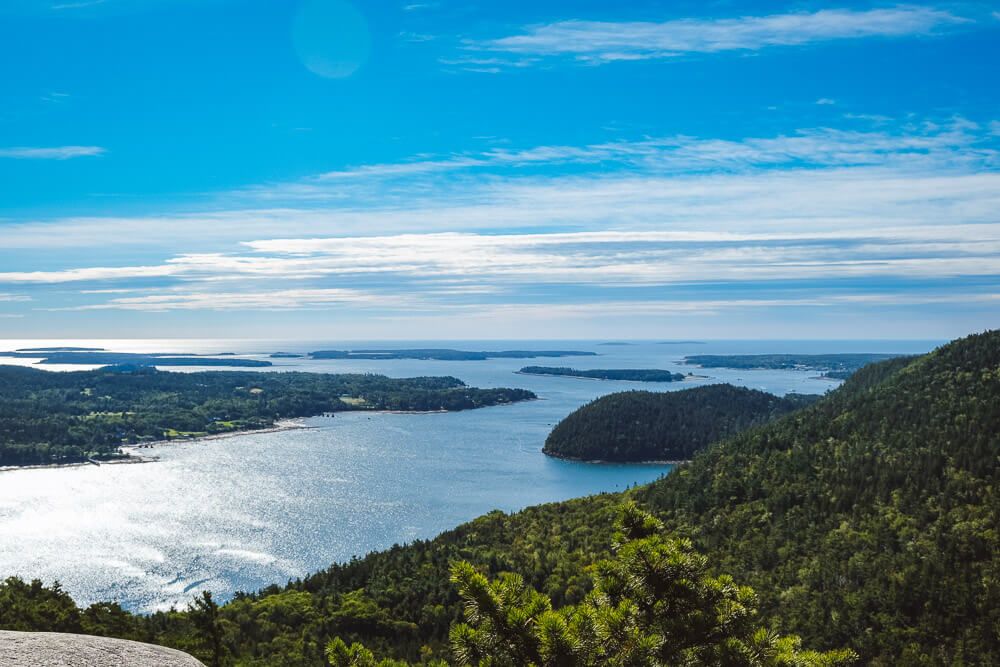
column 585, row 377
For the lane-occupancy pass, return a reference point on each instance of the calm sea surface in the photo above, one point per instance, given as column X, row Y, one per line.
column 243, row 512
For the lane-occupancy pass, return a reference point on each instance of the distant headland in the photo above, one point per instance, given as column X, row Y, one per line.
column 444, row 354
column 629, row 374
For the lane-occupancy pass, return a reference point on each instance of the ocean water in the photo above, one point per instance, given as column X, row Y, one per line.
column 243, row 512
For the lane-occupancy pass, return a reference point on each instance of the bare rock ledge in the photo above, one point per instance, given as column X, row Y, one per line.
column 55, row 649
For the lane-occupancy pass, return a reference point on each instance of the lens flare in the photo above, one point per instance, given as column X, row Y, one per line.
column 331, row 38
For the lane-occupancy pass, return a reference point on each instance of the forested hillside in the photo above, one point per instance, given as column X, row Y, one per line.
column 867, row 520
column 48, row 417
column 664, row 426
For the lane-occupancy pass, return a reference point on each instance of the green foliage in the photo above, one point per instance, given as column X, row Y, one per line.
column 658, row 426
column 653, row 604
column 870, row 518
column 204, row 614
column 356, row 655
column 36, row 608
column 65, row 417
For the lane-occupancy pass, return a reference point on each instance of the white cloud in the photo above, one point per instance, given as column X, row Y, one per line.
column 55, row 97
column 77, row 5
column 606, row 41
column 87, row 274
column 674, row 307
column 914, row 203
column 282, row 299
column 51, row 153
column 781, row 201
column 607, row 258
column 956, row 142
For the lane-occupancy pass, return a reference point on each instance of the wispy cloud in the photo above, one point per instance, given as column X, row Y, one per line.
column 916, row 145
column 51, row 153
column 280, row 299
column 55, row 97
column 77, row 5
column 607, row 258
column 676, row 307
column 607, row 41
column 821, row 179
column 852, row 213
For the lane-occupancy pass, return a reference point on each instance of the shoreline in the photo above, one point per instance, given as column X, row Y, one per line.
column 560, row 457
column 283, row 425
column 130, row 459
column 131, row 456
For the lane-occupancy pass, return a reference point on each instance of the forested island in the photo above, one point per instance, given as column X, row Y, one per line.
column 77, row 356
column 48, row 417
column 839, row 366
column 444, row 354
column 638, row 426
column 632, row 374
column 866, row 520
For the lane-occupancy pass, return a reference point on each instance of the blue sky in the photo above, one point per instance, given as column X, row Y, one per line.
column 445, row 169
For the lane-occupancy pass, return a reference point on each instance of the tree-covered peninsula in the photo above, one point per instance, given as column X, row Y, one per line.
column 82, row 356
column 837, row 366
column 866, row 520
column 629, row 374
column 48, row 417
column 664, row 426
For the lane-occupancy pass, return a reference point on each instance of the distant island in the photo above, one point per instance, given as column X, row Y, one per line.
column 636, row 426
column 50, row 418
column 834, row 366
column 60, row 349
column 444, row 354
column 286, row 355
column 99, row 357
column 633, row 374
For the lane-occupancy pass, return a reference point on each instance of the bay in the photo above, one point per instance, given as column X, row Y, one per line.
column 244, row 512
